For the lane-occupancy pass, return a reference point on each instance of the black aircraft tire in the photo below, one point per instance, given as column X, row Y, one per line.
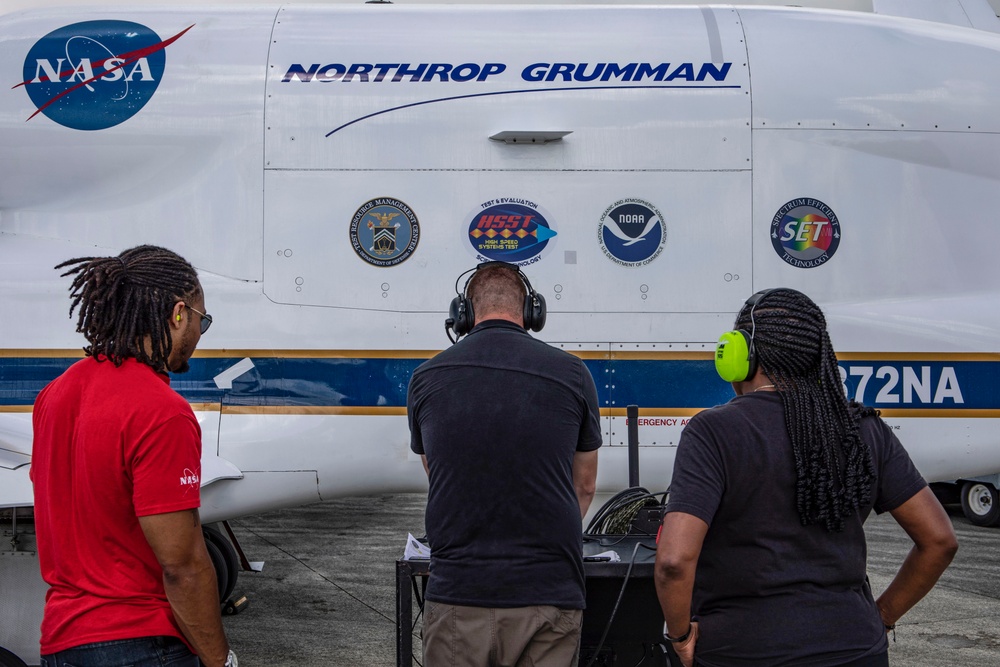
column 225, row 560
column 981, row 503
column 8, row 659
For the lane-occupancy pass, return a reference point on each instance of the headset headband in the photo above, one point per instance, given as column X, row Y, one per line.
column 461, row 317
column 754, row 299
column 735, row 356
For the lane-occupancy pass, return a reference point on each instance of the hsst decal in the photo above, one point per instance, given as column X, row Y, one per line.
column 95, row 74
column 631, row 232
column 510, row 230
column 384, row 232
column 805, row 233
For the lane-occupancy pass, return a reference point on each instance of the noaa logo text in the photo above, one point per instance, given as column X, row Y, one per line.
column 96, row 74
column 510, row 230
column 384, row 232
column 805, row 233
column 632, row 232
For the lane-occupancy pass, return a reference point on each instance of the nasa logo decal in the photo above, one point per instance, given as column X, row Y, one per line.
column 96, row 74
column 384, row 232
column 632, row 232
column 510, row 230
column 805, row 233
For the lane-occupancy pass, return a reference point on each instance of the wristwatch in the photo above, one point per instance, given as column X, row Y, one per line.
column 678, row 640
column 231, row 660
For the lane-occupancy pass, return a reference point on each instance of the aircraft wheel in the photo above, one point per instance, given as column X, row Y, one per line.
column 981, row 503
column 8, row 659
column 225, row 560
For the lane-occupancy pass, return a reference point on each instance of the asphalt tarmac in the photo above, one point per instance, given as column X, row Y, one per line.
column 326, row 595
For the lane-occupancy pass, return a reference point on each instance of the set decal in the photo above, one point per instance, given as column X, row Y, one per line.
column 632, row 232
column 510, row 230
column 384, row 232
column 95, row 74
column 805, row 233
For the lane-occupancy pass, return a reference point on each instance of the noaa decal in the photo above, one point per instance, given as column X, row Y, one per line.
column 632, row 232
column 510, row 230
column 96, row 74
column 805, row 233
column 384, row 232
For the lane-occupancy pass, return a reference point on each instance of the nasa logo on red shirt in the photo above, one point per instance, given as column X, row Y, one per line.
column 190, row 479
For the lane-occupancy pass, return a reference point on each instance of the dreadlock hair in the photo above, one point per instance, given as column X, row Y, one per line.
column 833, row 465
column 126, row 300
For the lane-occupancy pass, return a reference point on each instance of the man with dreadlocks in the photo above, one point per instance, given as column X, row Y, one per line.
column 116, row 468
column 763, row 540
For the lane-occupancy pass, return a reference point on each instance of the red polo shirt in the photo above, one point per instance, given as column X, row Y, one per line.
column 111, row 444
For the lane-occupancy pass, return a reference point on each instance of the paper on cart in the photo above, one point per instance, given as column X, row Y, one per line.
column 415, row 549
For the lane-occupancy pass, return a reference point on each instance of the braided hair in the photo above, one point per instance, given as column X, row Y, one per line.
column 833, row 465
column 125, row 302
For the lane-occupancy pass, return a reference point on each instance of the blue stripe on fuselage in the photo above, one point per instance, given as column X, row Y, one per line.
column 653, row 383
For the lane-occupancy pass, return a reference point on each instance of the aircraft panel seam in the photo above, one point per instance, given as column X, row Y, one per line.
column 508, row 170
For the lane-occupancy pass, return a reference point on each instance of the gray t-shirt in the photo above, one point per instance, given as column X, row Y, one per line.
column 768, row 590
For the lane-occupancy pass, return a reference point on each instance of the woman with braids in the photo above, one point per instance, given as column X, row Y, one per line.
column 762, row 556
column 116, row 465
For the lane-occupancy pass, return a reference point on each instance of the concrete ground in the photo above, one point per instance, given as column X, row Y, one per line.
column 326, row 595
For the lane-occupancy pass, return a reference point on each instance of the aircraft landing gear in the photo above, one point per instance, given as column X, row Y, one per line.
column 981, row 503
column 225, row 560
column 8, row 659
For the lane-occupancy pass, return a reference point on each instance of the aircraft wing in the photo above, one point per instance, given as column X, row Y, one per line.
column 15, row 455
column 15, row 460
column 214, row 468
column 15, row 487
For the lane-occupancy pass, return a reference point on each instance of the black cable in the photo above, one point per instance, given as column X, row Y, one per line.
column 642, row 658
column 616, row 515
column 621, row 538
column 613, row 505
column 614, row 610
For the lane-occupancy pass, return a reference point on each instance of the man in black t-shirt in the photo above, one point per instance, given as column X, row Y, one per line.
column 508, row 428
column 763, row 540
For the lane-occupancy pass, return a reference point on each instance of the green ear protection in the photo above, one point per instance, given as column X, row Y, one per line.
column 735, row 357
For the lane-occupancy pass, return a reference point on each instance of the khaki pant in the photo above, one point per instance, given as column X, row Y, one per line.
column 541, row 636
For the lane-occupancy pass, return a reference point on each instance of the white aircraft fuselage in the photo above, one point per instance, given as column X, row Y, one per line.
column 330, row 171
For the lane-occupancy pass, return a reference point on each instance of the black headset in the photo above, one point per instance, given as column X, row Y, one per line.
column 735, row 356
column 461, row 317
